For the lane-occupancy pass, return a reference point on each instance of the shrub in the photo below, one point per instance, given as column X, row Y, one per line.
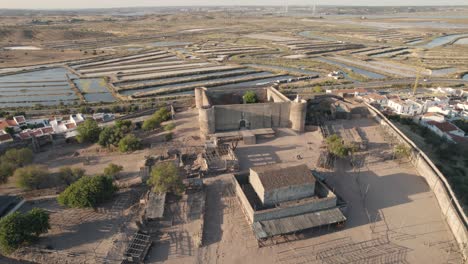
column 88, row 131
column 6, row 170
column 336, row 147
column 69, row 175
column 112, row 170
column 31, row 177
column 17, row 229
column 168, row 136
column 156, row 119
column 111, row 136
column 165, row 177
column 150, row 124
column 317, row 89
column 19, row 157
column 129, row 143
column 250, row 97
column 87, row 192
column 162, row 114
column 169, row 127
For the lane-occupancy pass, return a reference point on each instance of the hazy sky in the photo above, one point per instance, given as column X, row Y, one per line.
column 44, row 4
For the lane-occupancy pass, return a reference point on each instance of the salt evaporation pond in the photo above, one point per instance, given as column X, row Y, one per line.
column 443, row 40
column 45, row 87
column 130, row 92
column 94, row 90
column 368, row 74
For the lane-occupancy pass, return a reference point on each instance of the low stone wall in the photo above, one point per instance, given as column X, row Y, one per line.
column 303, row 207
column 245, row 204
column 449, row 205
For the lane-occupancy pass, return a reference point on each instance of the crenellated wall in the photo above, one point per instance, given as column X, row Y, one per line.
column 277, row 111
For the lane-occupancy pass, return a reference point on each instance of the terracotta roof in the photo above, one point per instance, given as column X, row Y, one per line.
column 276, row 176
column 3, row 124
column 459, row 139
column 47, row 130
column 375, row 96
column 5, row 137
column 432, row 114
column 24, row 135
column 70, row 126
column 444, row 126
column 20, row 119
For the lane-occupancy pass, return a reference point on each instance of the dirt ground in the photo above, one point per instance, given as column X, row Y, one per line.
column 393, row 216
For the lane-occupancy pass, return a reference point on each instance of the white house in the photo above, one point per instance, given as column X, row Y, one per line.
column 432, row 117
column 446, row 130
column 77, row 119
column 375, row 98
column 407, row 107
column 447, row 91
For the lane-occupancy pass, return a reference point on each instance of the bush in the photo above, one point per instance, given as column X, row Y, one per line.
column 336, row 147
column 168, row 136
column 169, row 127
column 249, row 97
column 6, row 170
column 156, row 119
column 112, row 170
column 31, row 177
column 150, row 124
column 69, row 175
column 19, row 157
column 129, row 143
column 87, row 192
column 402, row 151
column 317, row 89
column 111, row 136
column 165, row 177
column 88, row 131
column 162, row 114
column 17, row 229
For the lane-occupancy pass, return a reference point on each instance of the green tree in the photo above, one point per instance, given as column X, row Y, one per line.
column 156, row 119
column 19, row 157
column 87, row 192
column 69, row 175
column 88, row 131
column 6, row 170
column 129, row 143
column 111, row 136
column 112, row 170
column 165, row 177
column 10, row 130
column 162, row 114
column 18, row 229
column 250, row 97
column 150, row 124
column 336, row 147
column 31, row 177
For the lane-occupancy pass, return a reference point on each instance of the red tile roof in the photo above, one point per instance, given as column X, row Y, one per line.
column 444, row 126
column 47, row 130
column 20, row 119
column 70, row 126
column 5, row 137
column 3, row 124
